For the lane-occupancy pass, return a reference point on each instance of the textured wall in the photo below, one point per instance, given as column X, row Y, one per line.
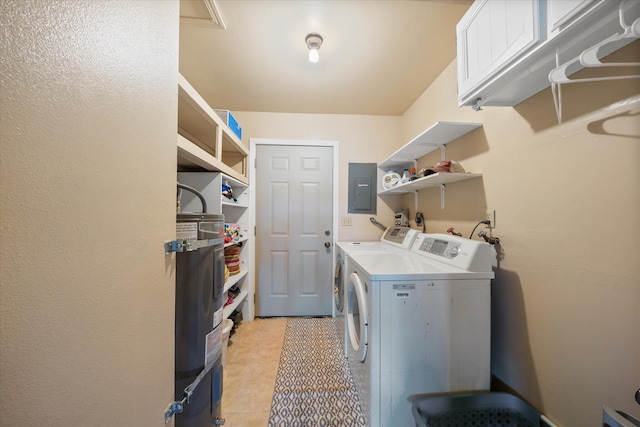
column 87, row 168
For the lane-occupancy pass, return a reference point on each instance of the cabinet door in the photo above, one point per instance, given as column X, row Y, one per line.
column 491, row 35
column 562, row 13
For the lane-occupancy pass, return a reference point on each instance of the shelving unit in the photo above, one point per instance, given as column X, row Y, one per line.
column 205, row 142
column 210, row 154
column 210, row 185
column 433, row 138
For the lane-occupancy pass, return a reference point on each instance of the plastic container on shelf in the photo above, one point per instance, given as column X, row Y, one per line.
column 227, row 324
column 405, row 176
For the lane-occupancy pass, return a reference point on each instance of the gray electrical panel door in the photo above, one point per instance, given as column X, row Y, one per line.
column 362, row 187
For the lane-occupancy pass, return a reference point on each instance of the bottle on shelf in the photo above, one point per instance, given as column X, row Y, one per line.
column 405, row 176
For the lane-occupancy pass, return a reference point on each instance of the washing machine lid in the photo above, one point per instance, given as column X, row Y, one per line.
column 393, row 239
column 347, row 247
column 408, row 266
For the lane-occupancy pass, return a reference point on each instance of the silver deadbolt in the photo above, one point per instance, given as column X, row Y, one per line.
column 327, row 232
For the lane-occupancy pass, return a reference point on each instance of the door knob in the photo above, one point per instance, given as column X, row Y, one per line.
column 327, row 244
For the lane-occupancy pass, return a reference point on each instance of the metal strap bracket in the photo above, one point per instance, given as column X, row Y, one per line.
column 190, row 245
column 178, row 406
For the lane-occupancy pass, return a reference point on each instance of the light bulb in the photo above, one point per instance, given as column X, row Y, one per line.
column 314, row 55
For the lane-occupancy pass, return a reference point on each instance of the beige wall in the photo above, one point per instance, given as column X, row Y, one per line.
column 566, row 298
column 362, row 139
column 87, row 169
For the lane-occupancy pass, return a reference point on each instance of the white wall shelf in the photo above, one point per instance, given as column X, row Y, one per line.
column 434, row 180
column 436, row 136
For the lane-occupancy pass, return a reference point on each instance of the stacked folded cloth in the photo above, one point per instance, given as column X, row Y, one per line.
column 232, row 259
column 443, row 166
column 232, row 233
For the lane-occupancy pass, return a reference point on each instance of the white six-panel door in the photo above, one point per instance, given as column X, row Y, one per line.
column 294, row 230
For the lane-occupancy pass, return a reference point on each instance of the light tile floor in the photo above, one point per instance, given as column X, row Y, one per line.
column 250, row 370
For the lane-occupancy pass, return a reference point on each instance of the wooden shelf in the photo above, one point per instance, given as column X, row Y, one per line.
column 213, row 145
column 193, row 158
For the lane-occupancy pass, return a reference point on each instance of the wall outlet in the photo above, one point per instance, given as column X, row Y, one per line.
column 490, row 215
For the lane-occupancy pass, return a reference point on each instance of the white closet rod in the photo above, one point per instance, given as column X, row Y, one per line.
column 589, row 59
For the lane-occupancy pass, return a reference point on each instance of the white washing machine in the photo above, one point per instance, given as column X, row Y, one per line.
column 393, row 239
column 418, row 322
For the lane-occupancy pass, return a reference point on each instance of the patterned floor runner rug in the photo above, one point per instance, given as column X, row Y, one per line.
column 314, row 386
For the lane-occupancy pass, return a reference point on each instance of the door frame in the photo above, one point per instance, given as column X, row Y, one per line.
column 253, row 143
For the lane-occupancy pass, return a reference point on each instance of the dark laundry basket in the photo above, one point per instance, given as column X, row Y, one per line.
column 478, row 409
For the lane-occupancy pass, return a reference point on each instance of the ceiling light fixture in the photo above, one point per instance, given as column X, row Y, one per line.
column 314, row 41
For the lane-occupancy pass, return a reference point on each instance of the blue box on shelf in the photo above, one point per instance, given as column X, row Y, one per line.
column 230, row 121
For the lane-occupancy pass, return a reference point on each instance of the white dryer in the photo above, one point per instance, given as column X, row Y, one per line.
column 393, row 239
column 418, row 323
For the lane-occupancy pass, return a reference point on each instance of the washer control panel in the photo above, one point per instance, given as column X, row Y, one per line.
column 401, row 237
column 440, row 247
column 467, row 254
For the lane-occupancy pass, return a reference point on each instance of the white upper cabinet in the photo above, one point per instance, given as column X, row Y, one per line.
column 507, row 48
column 492, row 34
column 561, row 13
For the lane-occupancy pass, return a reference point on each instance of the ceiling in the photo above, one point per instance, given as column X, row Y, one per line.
column 377, row 58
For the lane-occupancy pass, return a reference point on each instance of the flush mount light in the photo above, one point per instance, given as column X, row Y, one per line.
column 314, row 41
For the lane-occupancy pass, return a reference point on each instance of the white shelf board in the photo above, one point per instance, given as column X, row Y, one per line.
column 235, row 183
column 434, row 180
column 235, row 205
column 241, row 240
column 232, row 280
column 190, row 156
column 440, row 133
column 226, row 311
